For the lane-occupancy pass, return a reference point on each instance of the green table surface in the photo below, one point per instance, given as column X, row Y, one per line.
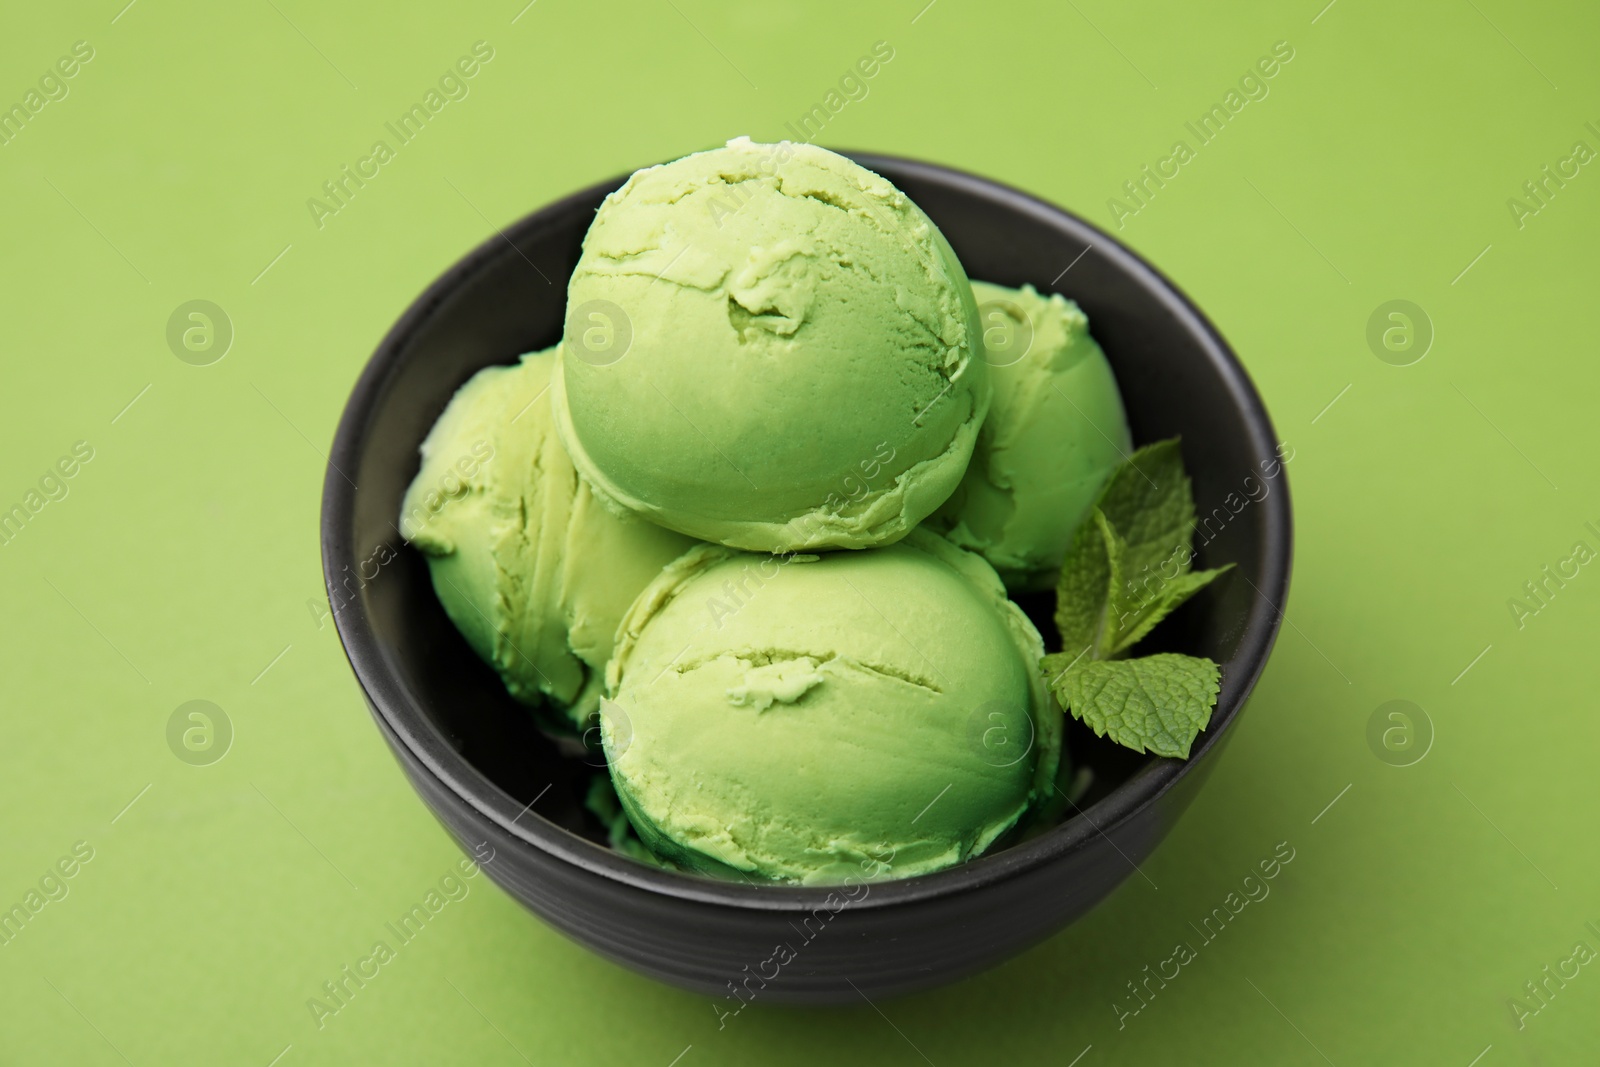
column 1379, row 163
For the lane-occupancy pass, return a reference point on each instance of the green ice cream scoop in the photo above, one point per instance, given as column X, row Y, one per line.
column 808, row 718
column 1055, row 431
column 531, row 569
column 770, row 347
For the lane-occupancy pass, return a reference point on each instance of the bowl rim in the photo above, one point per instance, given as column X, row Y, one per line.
column 403, row 720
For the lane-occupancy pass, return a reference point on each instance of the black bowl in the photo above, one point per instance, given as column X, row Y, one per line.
column 514, row 799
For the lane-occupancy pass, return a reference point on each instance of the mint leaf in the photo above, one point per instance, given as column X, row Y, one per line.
column 1083, row 594
column 1136, row 611
column 1120, row 575
column 1155, row 703
column 1099, row 608
column 1149, row 501
column 1127, row 568
column 1055, row 667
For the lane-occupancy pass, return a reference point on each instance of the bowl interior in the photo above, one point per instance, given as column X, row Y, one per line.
column 508, row 297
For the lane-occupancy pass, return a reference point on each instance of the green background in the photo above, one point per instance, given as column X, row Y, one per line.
column 183, row 562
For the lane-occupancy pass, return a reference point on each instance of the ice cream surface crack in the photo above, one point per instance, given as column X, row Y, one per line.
column 748, row 658
column 822, row 196
column 895, row 673
column 773, row 291
column 663, row 255
column 782, row 682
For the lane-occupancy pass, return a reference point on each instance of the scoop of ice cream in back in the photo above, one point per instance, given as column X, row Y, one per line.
column 770, row 347
column 808, row 718
column 1055, row 431
column 533, row 573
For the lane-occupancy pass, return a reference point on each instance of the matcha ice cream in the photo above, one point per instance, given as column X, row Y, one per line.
column 1054, row 433
column 770, row 347
column 532, row 571
column 759, row 512
column 800, row 718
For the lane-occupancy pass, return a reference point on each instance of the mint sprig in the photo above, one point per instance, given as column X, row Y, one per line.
column 1128, row 567
column 1157, row 703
